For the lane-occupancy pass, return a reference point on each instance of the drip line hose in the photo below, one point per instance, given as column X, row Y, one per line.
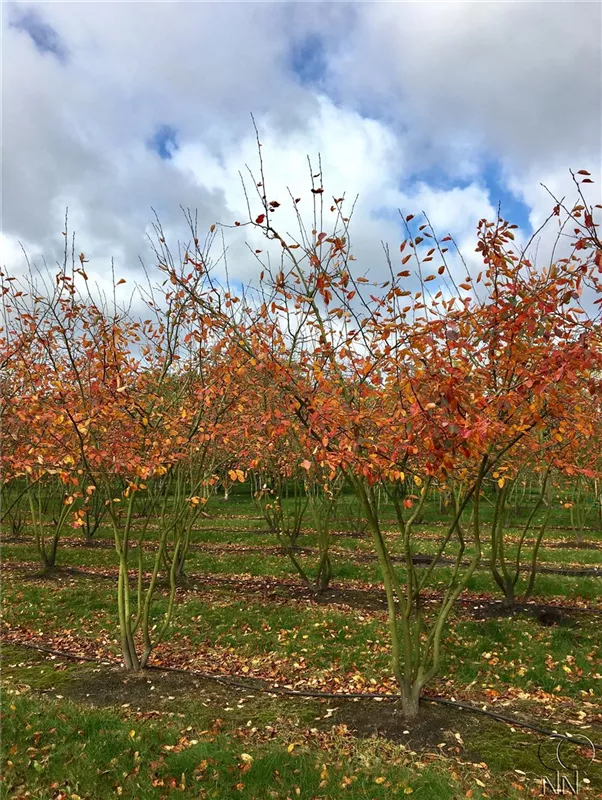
column 241, row 683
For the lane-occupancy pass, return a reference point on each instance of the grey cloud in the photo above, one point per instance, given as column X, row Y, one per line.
column 521, row 81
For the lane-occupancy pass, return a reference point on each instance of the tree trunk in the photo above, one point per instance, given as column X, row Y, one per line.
column 509, row 597
column 410, row 701
column 324, row 574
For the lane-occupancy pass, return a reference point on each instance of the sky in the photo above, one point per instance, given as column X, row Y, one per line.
column 117, row 108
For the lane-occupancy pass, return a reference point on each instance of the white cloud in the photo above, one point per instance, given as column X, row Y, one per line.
column 402, row 100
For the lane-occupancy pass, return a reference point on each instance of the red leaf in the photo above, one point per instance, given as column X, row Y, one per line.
column 260, row 219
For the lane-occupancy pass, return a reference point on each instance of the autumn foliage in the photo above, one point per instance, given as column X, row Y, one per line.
column 433, row 380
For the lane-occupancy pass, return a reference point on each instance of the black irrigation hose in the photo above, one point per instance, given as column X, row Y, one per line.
column 242, row 684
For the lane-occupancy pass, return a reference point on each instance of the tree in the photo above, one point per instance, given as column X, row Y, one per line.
column 443, row 389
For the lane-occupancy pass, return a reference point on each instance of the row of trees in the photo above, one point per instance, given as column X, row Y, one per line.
column 313, row 379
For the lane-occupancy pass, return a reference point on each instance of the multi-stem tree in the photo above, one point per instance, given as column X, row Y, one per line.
column 388, row 380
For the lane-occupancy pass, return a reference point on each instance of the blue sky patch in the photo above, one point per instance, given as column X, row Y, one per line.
column 43, row 35
column 165, row 142
column 512, row 208
column 308, row 60
column 490, row 178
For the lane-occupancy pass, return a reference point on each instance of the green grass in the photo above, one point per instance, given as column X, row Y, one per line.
column 233, row 746
column 70, row 729
column 279, row 566
column 330, row 640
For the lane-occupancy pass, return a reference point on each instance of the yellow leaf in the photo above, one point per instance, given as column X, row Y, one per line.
column 379, row 780
column 501, row 483
column 246, row 758
column 132, row 734
column 408, row 790
column 291, row 747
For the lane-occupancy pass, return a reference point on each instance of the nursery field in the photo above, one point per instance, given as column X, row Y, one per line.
column 230, row 704
column 325, row 535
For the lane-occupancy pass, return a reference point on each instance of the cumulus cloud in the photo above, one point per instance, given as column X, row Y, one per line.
column 113, row 108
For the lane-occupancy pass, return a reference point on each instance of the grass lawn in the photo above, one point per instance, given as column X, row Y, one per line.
column 90, row 730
